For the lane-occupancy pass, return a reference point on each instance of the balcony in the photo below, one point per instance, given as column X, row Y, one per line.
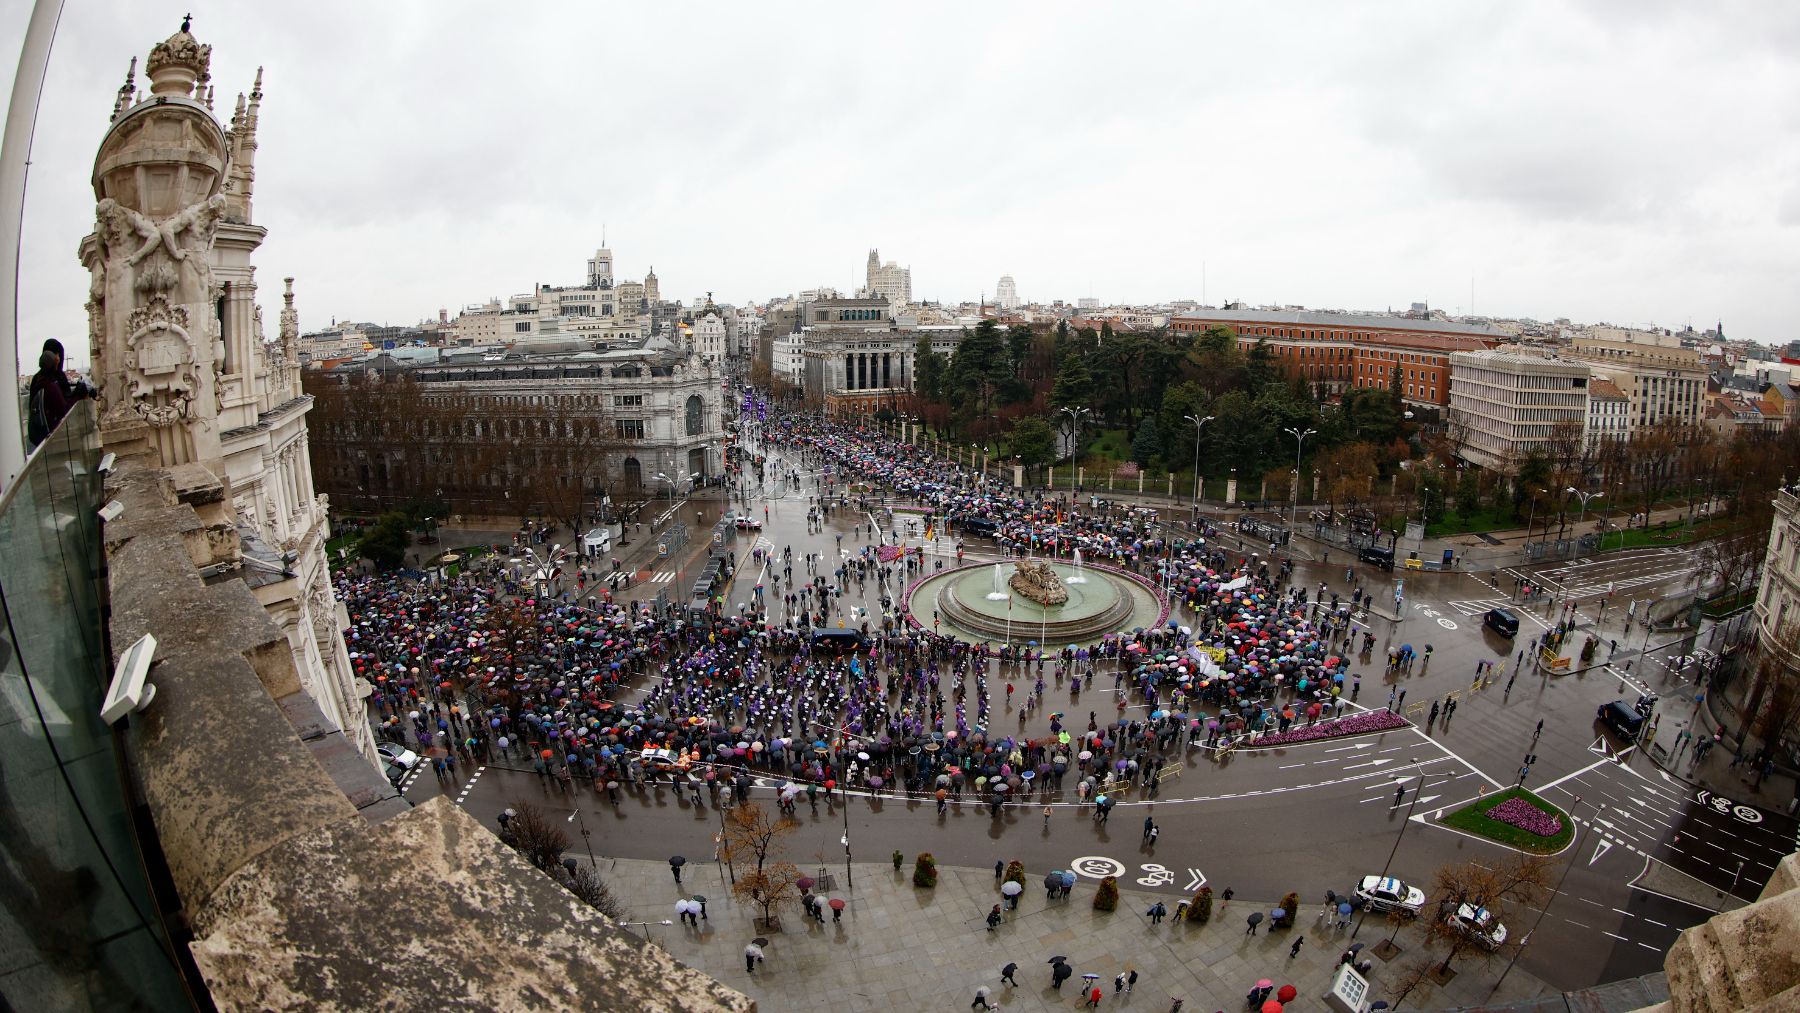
column 224, row 846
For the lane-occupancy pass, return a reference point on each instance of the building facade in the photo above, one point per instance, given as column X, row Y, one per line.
column 889, row 282
column 1664, row 381
column 187, row 378
column 1337, row 351
column 1505, row 404
column 1006, row 294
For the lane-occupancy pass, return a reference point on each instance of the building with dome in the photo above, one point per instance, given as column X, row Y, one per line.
column 188, row 379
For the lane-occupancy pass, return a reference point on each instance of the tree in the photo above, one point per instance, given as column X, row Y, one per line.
column 1511, row 884
column 540, row 840
column 1147, row 444
column 385, row 542
column 1074, row 386
column 1033, row 441
column 928, row 369
column 751, row 833
column 590, row 889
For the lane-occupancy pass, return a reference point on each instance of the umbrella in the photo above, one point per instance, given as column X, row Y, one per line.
column 1278, row 914
column 1068, row 879
column 837, row 903
column 681, row 907
column 805, row 883
column 1090, row 977
column 760, row 941
column 1271, row 1007
column 1344, row 909
column 677, row 861
column 1287, row 993
column 1265, row 983
column 1256, row 919
column 1011, row 889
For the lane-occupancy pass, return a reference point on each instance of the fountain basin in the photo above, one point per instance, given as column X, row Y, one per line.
column 955, row 603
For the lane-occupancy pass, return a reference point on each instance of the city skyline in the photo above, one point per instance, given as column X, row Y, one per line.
column 1565, row 163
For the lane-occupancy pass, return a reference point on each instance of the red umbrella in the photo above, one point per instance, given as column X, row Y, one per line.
column 1271, row 1007
column 548, row 754
column 837, row 904
column 1287, row 993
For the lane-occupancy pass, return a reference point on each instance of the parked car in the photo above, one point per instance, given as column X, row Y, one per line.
column 397, row 754
column 1502, row 621
column 1390, row 894
column 1478, row 924
column 749, row 524
column 395, row 773
column 1621, row 719
column 659, row 759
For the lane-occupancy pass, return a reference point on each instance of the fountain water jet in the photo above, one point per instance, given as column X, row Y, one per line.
column 1078, row 577
column 999, row 582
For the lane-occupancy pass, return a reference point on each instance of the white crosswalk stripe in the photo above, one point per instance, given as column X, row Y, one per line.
column 664, row 577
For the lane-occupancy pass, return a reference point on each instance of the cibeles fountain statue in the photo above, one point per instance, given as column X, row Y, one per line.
column 1038, row 582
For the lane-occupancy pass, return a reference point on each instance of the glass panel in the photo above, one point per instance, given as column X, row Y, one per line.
column 78, row 927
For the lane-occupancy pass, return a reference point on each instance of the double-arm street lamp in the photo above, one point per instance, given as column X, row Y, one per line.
column 1299, row 441
column 1199, row 427
column 1585, row 496
column 1075, row 416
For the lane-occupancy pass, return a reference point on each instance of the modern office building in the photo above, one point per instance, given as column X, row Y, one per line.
column 1504, row 404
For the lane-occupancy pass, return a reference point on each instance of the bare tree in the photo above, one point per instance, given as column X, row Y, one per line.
column 1513, row 882
column 752, row 833
column 590, row 889
column 541, row 841
column 1411, row 977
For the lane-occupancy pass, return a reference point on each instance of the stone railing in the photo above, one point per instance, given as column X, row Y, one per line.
column 1746, row 959
column 298, row 894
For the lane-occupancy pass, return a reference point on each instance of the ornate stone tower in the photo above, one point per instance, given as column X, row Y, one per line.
column 186, row 377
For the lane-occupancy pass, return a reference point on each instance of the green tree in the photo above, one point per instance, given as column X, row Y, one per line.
column 384, row 543
column 928, row 370
column 1033, row 441
column 1147, row 444
column 1074, row 382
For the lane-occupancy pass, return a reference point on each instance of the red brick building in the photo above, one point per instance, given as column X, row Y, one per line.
column 1343, row 350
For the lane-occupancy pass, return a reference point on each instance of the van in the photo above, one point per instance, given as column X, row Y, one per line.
column 838, row 641
column 1621, row 719
column 981, row 527
column 1377, row 555
column 1502, row 621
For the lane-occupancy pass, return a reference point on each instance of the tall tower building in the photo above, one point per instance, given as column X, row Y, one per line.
column 186, row 377
column 891, row 282
column 1006, row 294
column 599, row 273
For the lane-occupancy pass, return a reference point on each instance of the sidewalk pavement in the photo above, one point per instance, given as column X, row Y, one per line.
column 903, row 948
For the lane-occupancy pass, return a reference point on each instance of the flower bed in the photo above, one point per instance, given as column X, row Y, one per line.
column 1522, row 814
column 1335, row 728
column 1517, row 818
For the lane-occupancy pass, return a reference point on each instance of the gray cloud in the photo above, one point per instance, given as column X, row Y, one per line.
column 1610, row 160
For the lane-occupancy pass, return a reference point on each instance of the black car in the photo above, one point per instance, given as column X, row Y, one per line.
column 839, row 641
column 1377, row 555
column 1502, row 621
column 979, row 526
column 1622, row 719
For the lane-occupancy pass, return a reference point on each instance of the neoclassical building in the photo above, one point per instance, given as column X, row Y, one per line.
column 187, row 380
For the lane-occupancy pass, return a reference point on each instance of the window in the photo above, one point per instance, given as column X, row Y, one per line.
column 522, row 327
column 696, row 415
column 629, row 429
column 628, row 400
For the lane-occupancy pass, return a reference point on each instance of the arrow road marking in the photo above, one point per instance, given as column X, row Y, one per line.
column 1196, row 879
column 1371, row 763
column 1359, row 745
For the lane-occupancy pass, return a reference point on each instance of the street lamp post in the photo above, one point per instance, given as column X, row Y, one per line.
column 1199, row 427
column 1585, row 496
column 1299, row 441
column 1075, row 416
column 1574, row 852
column 1420, row 790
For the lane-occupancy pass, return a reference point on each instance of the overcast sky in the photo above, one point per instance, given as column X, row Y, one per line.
column 1634, row 161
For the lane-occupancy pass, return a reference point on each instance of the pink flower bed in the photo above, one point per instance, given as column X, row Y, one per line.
column 1522, row 814
column 1355, row 724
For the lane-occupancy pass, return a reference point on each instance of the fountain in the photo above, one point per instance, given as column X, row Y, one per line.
column 1045, row 595
column 997, row 594
column 1078, row 577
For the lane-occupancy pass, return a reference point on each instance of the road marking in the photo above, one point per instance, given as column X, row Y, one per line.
column 1371, row 763
column 471, row 785
column 1359, row 745
column 1196, row 879
column 1615, row 935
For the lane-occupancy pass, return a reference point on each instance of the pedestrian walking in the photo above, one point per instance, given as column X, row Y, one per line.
column 1294, row 950
column 1154, row 833
column 1119, row 983
column 753, row 955
column 981, row 1002
column 1130, row 978
column 999, row 867
column 1059, row 973
column 1006, row 973
column 993, row 918
column 1093, row 999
